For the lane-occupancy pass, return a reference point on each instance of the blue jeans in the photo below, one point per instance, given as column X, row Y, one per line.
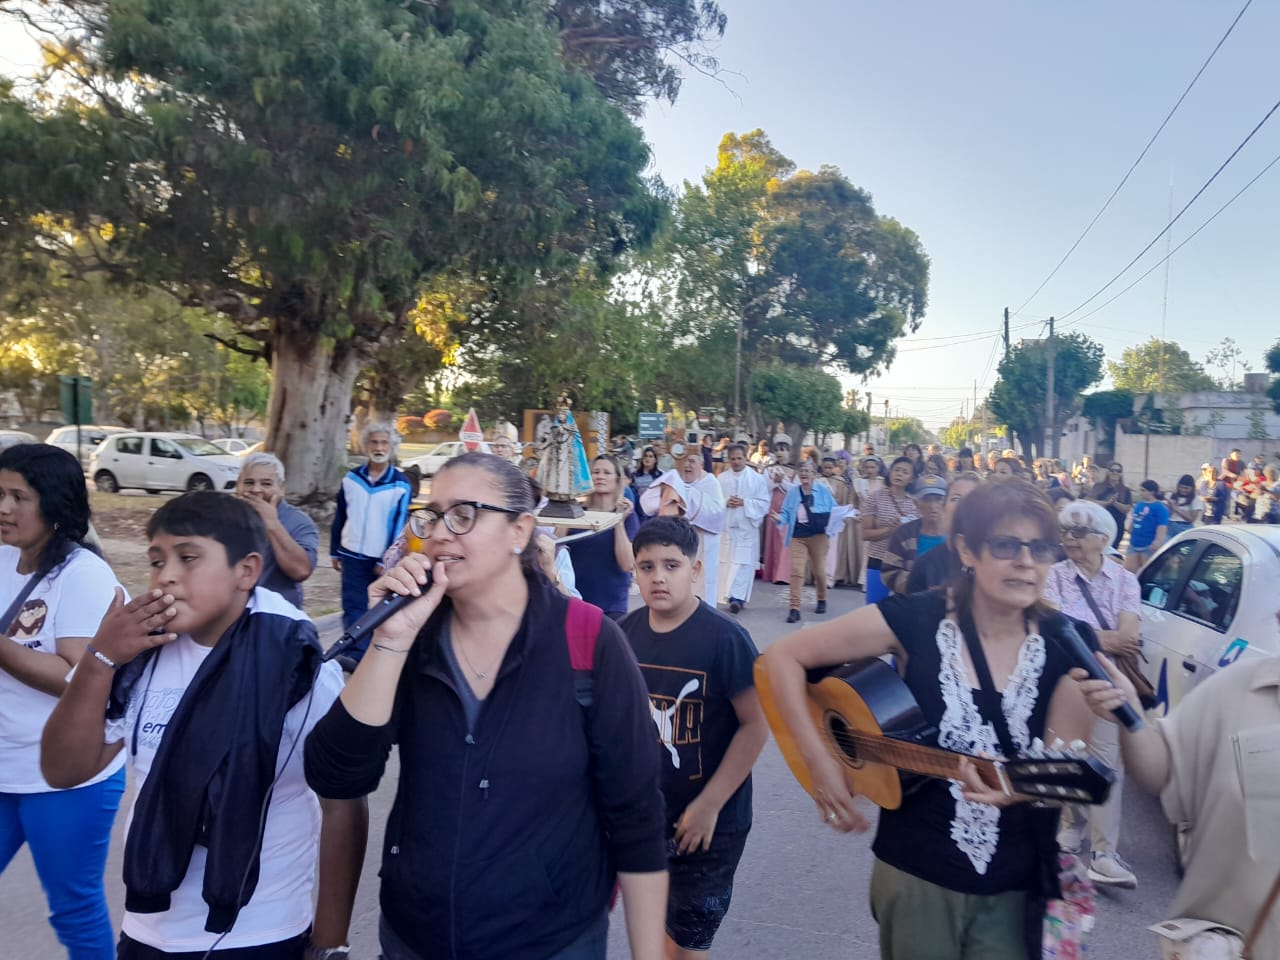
column 590, row 946
column 357, row 574
column 69, row 832
column 876, row 590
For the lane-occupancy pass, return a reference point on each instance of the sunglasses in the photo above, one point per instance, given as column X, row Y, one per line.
column 458, row 519
column 1078, row 533
column 1010, row 548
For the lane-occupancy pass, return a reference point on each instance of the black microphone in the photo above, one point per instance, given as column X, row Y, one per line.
column 1085, row 659
column 376, row 616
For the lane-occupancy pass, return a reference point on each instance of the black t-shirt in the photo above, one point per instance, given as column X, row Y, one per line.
column 1104, row 491
column 693, row 673
column 917, row 837
column 935, row 569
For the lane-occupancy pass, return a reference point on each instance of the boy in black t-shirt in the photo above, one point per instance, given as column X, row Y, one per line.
column 697, row 664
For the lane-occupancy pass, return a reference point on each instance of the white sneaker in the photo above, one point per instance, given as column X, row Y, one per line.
column 1109, row 870
column 1070, row 838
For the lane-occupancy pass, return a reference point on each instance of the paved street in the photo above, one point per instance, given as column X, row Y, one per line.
column 801, row 890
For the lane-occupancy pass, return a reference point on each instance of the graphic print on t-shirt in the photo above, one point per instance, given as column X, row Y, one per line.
column 30, row 621
column 678, row 716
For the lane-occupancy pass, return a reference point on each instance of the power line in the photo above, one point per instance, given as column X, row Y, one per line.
column 1189, row 238
column 1134, row 165
column 1178, row 216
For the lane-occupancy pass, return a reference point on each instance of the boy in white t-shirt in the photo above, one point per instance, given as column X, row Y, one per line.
column 211, row 687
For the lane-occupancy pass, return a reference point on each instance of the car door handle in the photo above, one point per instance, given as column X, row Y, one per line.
column 1190, row 666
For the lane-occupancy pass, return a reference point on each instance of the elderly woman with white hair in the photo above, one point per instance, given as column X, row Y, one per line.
column 372, row 509
column 1106, row 596
column 292, row 537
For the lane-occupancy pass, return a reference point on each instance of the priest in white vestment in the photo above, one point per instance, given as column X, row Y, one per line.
column 746, row 498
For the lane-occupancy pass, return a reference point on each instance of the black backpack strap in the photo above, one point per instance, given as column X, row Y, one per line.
column 1083, row 584
column 988, row 696
column 10, row 615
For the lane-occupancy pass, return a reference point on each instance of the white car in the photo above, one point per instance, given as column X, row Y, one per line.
column 90, row 437
column 433, row 460
column 1209, row 600
column 162, row 461
column 232, row 445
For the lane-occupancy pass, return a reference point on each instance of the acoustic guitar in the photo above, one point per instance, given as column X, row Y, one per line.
column 873, row 726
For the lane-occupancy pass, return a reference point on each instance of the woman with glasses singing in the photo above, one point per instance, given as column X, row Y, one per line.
column 1102, row 593
column 957, row 864
column 523, row 783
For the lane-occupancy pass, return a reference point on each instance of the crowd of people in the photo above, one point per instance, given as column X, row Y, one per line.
column 560, row 745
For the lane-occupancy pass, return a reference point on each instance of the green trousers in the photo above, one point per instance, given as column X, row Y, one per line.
column 920, row 920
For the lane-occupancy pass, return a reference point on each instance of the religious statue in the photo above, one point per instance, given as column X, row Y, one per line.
column 562, row 465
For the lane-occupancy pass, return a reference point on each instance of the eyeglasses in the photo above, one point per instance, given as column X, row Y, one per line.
column 1010, row 548
column 1116, row 469
column 1078, row 533
column 458, row 519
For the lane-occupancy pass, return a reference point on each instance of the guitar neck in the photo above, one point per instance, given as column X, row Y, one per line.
column 917, row 758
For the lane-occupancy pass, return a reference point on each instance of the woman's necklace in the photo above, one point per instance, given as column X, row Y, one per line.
column 480, row 674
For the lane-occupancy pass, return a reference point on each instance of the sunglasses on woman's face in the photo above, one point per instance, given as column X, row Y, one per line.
column 1077, row 533
column 1010, row 548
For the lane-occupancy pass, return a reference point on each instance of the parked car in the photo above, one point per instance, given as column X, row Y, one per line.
column 91, row 436
column 233, row 445
column 11, row 438
column 434, row 459
column 162, row 461
column 1209, row 600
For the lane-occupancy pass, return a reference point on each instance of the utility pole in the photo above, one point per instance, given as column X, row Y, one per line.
column 1052, row 435
column 1006, row 330
column 867, row 438
column 737, row 373
column 975, row 405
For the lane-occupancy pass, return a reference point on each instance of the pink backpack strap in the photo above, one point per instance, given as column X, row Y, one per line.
column 581, row 627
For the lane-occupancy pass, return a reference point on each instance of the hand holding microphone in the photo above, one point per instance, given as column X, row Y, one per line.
column 394, row 604
column 1110, row 691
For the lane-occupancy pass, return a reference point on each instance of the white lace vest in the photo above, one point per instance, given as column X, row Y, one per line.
column 975, row 827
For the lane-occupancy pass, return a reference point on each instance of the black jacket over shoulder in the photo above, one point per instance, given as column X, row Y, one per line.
column 503, row 843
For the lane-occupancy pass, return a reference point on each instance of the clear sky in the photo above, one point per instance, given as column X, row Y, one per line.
column 996, row 130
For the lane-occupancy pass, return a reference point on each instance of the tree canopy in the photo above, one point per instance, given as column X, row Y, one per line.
column 1158, row 366
column 305, row 168
column 1019, row 397
column 799, row 262
column 803, row 399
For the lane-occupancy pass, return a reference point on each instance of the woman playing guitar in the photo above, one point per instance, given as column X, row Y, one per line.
column 959, row 863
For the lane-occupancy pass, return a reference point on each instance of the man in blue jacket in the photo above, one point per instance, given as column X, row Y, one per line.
column 373, row 506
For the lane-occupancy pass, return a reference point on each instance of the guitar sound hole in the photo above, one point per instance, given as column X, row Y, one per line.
column 842, row 737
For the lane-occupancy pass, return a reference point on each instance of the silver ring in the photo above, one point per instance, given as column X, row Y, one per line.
column 831, row 817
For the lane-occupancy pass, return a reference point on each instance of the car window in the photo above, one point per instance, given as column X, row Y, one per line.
column 1212, row 593
column 163, row 448
column 129, row 445
column 1160, row 577
column 201, row 448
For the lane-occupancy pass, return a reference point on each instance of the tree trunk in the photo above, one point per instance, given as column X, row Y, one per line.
column 307, row 414
column 796, row 432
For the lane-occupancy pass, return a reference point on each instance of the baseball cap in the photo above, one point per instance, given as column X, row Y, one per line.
column 931, row 485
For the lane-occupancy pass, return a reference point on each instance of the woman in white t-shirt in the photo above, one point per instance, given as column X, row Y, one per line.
column 54, row 592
